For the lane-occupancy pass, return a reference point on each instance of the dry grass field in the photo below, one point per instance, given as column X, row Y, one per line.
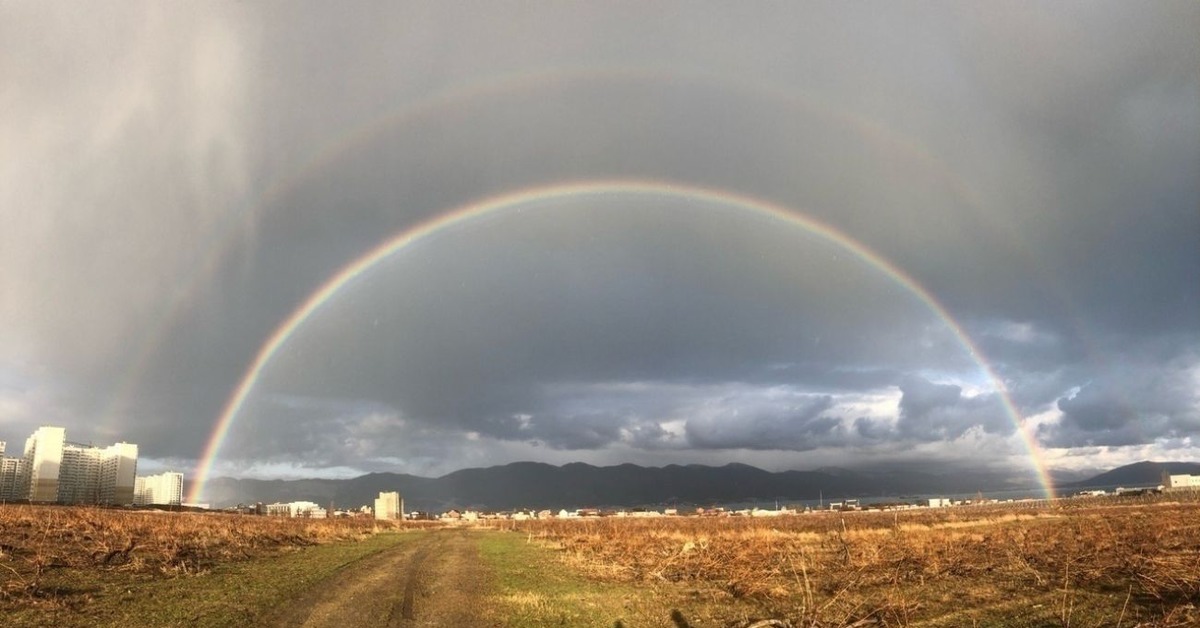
column 41, row 547
column 1079, row 562
column 1096, row 562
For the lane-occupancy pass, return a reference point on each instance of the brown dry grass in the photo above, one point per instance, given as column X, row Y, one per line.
column 38, row 542
column 1079, row 562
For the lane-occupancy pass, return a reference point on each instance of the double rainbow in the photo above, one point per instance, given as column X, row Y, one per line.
column 592, row 189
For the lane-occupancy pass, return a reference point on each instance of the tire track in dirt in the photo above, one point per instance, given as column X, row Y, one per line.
column 435, row 580
column 411, row 576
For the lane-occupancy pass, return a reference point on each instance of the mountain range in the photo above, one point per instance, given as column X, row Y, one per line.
column 1138, row 474
column 538, row 485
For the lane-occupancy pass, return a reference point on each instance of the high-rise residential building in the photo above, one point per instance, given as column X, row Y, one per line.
column 11, row 474
column 79, row 475
column 53, row 470
column 389, row 506
column 43, row 460
column 164, row 489
column 118, row 470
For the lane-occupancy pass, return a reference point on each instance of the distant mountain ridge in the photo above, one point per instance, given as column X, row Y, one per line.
column 1139, row 474
column 539, row 485
column 574, row 485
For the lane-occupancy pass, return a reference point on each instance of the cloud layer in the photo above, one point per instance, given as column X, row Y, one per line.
column 174, row 181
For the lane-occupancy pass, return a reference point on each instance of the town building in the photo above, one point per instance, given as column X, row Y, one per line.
column 389, row 506
column 79, row 475
column 164, row 489
column 1180, row 481
column 11, row 472
column 54, row 470
column 43, row 459
column 118, row 471
column 308, row 510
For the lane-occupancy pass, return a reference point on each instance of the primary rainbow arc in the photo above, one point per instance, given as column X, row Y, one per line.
column 386, row 249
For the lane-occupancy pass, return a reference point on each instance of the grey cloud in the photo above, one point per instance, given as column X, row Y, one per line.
column 592, row 431
column 1136, row 405
column 874, row 430
column 930, row 411
column 797, row 426
column 922, row 396
column 177, row 179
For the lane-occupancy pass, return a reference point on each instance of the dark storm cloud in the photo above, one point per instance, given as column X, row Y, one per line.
column 175, row 180
column 797, row 427
column 1133, row 405
column 589, row 431
column 930, row 411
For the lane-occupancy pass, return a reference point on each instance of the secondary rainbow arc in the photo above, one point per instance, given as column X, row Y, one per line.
column 486, row 206
column 872, row 131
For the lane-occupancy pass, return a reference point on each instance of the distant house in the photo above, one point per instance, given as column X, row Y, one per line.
column 307, row 510
column 1181, row 481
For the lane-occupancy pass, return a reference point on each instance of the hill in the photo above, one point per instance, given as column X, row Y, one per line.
column 540, row 485
column 1138, row 474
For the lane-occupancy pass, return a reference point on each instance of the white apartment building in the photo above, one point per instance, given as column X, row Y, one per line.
column 118, row 471
column 309, row 510
column 79, row 475
column 389, row 506
column 11, row 473
column 1180, row 481
column 43, row 460
column 53, row 470
column 165, row 489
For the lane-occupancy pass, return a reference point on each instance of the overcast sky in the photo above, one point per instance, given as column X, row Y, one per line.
column 177, row 178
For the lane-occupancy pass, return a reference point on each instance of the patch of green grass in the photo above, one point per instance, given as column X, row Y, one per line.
column 232, row 594
column 533, row 587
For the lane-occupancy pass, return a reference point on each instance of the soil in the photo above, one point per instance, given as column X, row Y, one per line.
column 437, row 580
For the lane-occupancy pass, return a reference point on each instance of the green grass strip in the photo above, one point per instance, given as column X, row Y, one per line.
column 534, row 588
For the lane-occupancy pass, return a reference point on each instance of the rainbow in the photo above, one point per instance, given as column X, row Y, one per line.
column 882, row 138
column 590, row 189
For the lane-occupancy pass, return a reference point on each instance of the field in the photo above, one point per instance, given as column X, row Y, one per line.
column 46, row 552
column 1100, row 562
column 1093, row 562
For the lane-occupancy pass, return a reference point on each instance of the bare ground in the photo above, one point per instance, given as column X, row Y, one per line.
column 438, row 580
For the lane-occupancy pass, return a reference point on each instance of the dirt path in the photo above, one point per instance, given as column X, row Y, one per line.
column 437, row 580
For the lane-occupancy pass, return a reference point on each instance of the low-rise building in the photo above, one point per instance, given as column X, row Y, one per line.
column 309, row 510
column 1179, row 481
